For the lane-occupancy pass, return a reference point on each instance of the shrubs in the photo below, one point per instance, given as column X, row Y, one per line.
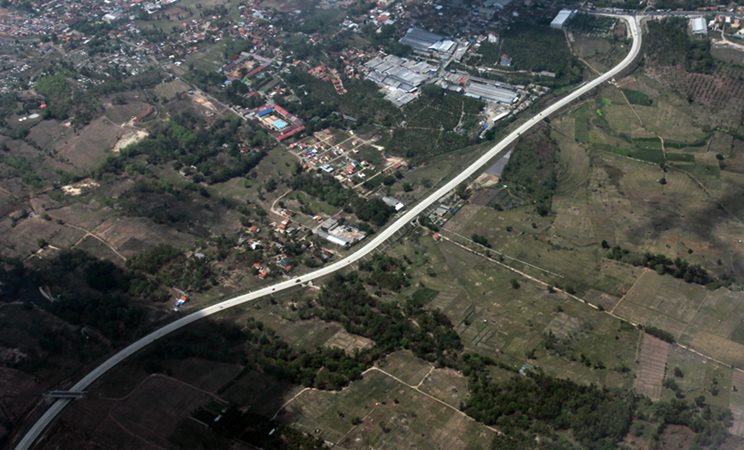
column 678, row 268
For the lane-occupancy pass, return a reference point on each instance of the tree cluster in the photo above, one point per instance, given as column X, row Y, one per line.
column 428, row 333
column 663, row 265
column 329, row 190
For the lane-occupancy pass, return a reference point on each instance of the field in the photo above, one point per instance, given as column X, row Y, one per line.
column 699, row 378
column 88, row 149
column 392, row 416
column 652, row 363
column 539, row 48
column 661, row 301
column 514, row 325
column 128, row 421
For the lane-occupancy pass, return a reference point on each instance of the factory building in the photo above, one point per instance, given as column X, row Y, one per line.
column 698, row 25
column 562, row 18
column 491, row 93
column 424, row 41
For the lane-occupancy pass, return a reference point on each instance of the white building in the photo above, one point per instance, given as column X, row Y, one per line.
column 562, row 18
column 698, row 25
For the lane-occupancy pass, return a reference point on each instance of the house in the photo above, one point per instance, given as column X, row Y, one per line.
column 393, row 202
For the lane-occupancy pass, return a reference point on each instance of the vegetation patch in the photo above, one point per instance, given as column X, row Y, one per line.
column 637, row 97
column 538, row 47
column 532, row 169
column 678, row 267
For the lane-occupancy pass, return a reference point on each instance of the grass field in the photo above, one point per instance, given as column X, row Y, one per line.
column 652, row 362
column 699, row 377
column 392, row 416
column 497, row 320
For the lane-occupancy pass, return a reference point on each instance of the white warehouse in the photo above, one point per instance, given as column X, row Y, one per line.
column 562, row 18
column 698, row 25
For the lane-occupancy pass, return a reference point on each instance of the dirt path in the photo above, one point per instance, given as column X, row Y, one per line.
column 426, row 394
column 95, row 236
column 591, row 305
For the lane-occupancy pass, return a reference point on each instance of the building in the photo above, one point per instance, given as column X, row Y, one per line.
column 394, row 203
column 424, row 41
column 562, row 18
column 698, row 25
column 399, row 78
column 491, row 93
column 279, row 121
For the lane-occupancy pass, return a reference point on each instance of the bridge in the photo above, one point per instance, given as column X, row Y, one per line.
column 64, row 395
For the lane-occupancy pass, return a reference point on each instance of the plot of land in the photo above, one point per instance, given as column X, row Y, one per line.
column 497, row 320
column 737, row 403
column 90, row 147
column 651, row 366
column 663, row 302
column 348, row 342
column 392, row 416
column 158, row 400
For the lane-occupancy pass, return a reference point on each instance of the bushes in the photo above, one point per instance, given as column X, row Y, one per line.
column 669, row 44
column 637, row 97
column 532, row 169
column 329, row 190
column 678, row 268
column 659, row 333
column 536, row 47
column 481, row 240
column 429, row 334
column 214, row 151
column 597, row 418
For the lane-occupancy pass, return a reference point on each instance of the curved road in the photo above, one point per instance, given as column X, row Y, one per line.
column 37, row 429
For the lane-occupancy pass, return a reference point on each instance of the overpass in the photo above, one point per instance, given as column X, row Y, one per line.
column 64, row 395
column 56, row 408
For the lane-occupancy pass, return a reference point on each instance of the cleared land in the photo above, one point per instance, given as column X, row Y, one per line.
column 651, row 366
column 392, row 416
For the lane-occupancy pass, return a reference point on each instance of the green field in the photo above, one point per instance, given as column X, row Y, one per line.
column 386, row 414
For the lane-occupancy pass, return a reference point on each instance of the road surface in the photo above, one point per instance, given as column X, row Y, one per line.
column 56, row 408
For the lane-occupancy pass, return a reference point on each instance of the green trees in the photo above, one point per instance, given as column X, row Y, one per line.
column 663, row 265
column 597, row 418
column 429, row 334
column 92, row 292
column 329, row 190
column 669, row 44
column 214, row 152
column 481, row 240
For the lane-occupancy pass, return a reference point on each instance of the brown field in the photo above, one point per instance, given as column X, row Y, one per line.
column 406, row 367
column 45, row 133
column 158, row 400
column 663, row 302
column 446, row 384
column 171, row 89
column 144, row 418
column 121, row 114
column 282, row 5
column 20, row 392
column 201, row 373
column 89, row 148
column 259, row 393
column 131, row 236
column 651, row 367
column 23, row 239
column 348, row 342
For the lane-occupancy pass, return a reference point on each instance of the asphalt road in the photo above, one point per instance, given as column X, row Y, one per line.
column 48, row 417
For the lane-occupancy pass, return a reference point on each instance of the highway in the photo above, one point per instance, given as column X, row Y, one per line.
column 56, row 408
